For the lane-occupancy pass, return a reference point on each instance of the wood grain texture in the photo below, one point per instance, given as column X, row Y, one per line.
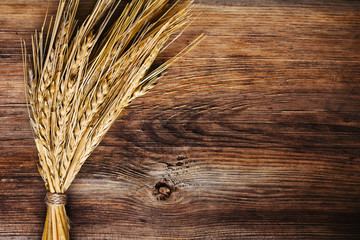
column 255, row 134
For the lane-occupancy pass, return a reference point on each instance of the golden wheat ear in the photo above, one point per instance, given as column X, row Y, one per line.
column 80, row 81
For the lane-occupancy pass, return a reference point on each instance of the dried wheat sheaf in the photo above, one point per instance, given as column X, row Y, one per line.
column 82, row 76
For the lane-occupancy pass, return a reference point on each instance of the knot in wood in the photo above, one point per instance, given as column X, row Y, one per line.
column 163, row 190
column 55, row 199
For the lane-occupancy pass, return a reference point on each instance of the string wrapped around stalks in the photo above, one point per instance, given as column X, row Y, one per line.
column 79, row 82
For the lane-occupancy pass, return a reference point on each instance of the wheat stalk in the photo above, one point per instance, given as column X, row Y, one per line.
column 78, row 84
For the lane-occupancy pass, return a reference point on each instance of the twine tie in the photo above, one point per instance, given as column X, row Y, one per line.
column 55, row 199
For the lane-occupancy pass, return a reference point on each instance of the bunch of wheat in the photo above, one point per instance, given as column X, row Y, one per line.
column 79, row 82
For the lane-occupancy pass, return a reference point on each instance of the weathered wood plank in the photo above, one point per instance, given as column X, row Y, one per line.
column 256, row 132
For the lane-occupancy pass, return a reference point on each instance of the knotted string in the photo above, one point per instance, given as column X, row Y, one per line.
column 55, row 199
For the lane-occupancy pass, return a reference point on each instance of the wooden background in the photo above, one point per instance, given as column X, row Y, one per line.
column 255, row 134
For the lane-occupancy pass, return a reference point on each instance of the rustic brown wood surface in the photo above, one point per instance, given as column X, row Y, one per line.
column 255, row 134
